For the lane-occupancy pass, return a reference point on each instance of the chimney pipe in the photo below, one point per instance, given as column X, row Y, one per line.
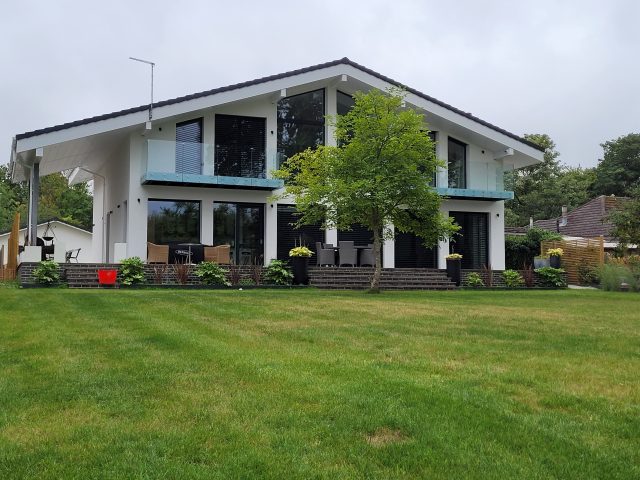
column 563, row 221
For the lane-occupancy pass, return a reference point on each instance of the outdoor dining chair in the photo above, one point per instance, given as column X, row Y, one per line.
column 367, row 257
column 325, row 255
column 157, row 253
column 348, row 253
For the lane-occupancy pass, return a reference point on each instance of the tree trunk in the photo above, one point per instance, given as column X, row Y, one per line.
column 377, row 254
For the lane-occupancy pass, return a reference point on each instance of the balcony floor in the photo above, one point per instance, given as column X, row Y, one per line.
column 159, row 178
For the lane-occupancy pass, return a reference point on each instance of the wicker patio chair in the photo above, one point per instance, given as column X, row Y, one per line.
column 367, row 257
column 220, row 254
column 157, row 253
column 348, row 254
column 325, row 256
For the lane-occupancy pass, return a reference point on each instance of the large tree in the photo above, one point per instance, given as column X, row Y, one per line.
column 626, row 220
column 378, row 175
column 57, row 200
column 618, row 172
column 542, row 189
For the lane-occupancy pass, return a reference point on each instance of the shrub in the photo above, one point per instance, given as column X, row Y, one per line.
column 278, row 273
column 247, row 282
column 612, row 275
column 551, row 277
column 132, row 271
column 210, row 273
column 474, row 280
column 300, row 252
column 512, row 279
column 46, row 273
column 588, row 274
column 182, row 272
column 520, row 249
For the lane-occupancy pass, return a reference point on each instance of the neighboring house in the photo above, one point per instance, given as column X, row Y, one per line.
column 65, row 236
column 586, row 221
column 200, row 171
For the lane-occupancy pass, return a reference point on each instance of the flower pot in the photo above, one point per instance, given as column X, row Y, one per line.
column 540, row 262
column 300, row 268
column 454, row 270
column 554, row 261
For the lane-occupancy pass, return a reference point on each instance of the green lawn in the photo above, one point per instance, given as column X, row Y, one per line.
column 311, row 384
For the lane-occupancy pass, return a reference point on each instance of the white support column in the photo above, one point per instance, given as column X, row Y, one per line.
column 389, row 252
column 443, row 246
column 496, row 236
column 34, row 197
column 270, row 232
column 206, row 221
column 331, row 235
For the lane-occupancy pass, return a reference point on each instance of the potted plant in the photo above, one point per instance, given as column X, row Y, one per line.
column 554, row 257
column 300, row 264
column 454, row 268
column 541, row 261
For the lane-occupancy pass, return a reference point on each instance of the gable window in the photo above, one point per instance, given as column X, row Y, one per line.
column 457, row 162
column 240, row 146
column 300, row 123
column 189, row 147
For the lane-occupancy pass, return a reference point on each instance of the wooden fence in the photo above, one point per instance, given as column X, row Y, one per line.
column 587, row 252
column 8, row 271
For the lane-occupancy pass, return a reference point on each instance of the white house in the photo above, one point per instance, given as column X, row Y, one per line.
column 199, row 170
column 62, row 235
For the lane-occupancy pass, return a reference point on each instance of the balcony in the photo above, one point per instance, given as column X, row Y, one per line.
column 204, row 165
column 485, row 181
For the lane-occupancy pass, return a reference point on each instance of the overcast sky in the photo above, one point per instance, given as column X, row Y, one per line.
column 567, row 68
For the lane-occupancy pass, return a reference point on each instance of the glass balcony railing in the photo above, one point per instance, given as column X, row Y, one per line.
column 483, row 181
column 200, row 163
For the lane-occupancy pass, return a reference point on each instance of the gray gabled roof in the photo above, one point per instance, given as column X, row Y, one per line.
column 344, row 61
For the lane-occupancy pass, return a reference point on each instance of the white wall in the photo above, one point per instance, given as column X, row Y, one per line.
column 496, row 228
column 481, row 174
column 66, row 236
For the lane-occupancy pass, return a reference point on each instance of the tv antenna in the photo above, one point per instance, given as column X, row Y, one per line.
column 152, row 65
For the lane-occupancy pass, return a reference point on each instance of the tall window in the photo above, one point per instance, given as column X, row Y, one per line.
column 457, row 164
column 344, row 103
column 189, row 147
column 240, row 146
column 300, row 123
column 472, row 240
column 173, row 221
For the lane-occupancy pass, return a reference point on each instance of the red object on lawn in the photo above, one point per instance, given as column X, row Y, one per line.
column 107, row 277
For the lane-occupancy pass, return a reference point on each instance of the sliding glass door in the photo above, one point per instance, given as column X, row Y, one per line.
column 240, row 225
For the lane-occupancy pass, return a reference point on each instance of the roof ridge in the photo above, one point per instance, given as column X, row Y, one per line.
column 343, row 60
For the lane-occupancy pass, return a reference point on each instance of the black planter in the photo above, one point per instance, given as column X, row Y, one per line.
column 454, row 271
column 554, row 261
column 300, row 267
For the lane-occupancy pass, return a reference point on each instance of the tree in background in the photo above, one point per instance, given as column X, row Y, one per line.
column 626, row 220
column 618, row 173
column 541, row 190
column 57, row 200
column 379, row 174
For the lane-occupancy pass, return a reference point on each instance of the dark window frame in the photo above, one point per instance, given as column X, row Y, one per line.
column 200, row 122
column 263, row 153
column 464, row 179
column 175, row 200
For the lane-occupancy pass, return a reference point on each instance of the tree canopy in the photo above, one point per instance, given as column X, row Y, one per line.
column 626, row 220
column 541, row 190
column 618, row 172
column 57, row 200
column 378, row 175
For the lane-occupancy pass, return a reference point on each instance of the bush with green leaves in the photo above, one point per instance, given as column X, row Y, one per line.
column 588, row 274
column 46, row 273
column 278, row 273
column 474, row 280
column 551, row 277
column 512, row 279
column 210, row 273
column 613, row 275
column 132, row 271
column 520, row 250
column 247, row 282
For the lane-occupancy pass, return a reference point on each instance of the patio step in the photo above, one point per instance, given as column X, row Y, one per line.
column 352, row 278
